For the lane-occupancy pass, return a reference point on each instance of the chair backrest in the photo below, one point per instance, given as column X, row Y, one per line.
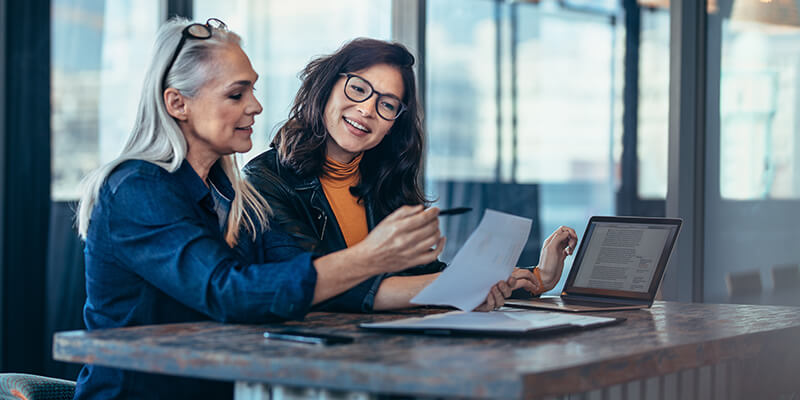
column 741, row 284
column 786, row 276
column 35, row 387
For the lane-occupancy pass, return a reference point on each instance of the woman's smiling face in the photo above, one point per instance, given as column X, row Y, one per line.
column 356, row 127
column 221, row 115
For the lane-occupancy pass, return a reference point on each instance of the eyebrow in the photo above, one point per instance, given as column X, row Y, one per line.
column 239, row 83
column 373, row 87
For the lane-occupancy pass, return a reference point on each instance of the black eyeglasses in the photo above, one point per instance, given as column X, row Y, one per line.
column 193, row 31
column 358, row 89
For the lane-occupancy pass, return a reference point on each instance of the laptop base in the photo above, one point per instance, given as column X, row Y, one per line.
column 557, row 304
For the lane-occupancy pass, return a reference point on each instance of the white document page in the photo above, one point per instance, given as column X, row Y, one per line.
column 489, row 255
column 496, row 321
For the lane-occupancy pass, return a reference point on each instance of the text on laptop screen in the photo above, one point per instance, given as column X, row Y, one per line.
column 622, row 256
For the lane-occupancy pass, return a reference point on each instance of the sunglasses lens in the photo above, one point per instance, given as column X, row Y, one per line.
column 199, row 31
column 216, row 24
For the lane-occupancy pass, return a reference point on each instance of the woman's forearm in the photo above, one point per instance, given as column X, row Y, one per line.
column 397, row 291
column 340, row 271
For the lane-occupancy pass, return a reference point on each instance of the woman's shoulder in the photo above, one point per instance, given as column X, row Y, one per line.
column 131, row 171
column 266, row 162
column 268, row 176
column 143, row 191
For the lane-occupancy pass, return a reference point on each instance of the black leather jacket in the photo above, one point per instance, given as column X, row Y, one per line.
column 300, row 207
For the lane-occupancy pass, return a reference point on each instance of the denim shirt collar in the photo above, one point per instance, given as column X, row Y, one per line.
column 195, row 186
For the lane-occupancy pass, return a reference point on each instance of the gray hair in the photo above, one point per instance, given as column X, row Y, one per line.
column 156, row 137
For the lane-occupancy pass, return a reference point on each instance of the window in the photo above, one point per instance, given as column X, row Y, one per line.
column 524, row 105
column 276, row 35
column 759, row 102
column 99, row 54
column 653, row 118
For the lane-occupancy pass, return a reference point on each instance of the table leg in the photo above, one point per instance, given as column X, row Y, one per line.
column 261, row 391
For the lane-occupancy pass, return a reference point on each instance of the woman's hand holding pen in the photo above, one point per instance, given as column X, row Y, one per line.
column 407, row 237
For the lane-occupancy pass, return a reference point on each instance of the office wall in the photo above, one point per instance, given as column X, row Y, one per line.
column 25, row 181
column 2, row 174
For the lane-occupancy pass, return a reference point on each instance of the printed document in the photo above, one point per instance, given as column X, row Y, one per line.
column 489, row 255
column 505, row 320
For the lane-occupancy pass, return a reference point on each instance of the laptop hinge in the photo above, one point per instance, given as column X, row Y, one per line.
column 597, row 299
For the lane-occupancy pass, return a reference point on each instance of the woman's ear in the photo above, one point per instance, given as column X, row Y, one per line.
column 176, row 106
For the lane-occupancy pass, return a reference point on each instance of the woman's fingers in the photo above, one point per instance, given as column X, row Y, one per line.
column 573, row 239
column 529, row 285
column 563, row 238
column 420, row 219
column 499, row 299
column 504, row 288
column 404, row 212
column 525, row 279
column 523, row 273
column 427, row 232
column 428, row 255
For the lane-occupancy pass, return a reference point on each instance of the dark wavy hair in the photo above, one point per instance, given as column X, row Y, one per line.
column 389, row 171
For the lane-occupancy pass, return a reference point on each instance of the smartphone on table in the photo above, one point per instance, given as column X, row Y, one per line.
column 308, row 337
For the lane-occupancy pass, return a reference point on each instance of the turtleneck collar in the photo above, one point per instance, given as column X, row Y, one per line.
column 339, row 171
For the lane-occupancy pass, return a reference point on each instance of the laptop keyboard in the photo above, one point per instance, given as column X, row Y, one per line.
column 587, row 303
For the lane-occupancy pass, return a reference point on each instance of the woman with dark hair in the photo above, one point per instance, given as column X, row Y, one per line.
column 173, row 233
column 350, row 154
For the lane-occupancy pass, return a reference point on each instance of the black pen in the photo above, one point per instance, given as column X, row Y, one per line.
column 455, row 211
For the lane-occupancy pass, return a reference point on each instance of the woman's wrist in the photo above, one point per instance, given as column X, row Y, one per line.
column 397, row 291
column 547, row 280
column 361, row 258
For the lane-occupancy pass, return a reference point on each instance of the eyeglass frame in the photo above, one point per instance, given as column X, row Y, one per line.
column 187, row 34
column 349, row 75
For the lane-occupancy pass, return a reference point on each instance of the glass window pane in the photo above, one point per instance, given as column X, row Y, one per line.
column 653, row 125
column 523, row 106
column 99, row 53
column 567, row 95
column 759, row 92
column 461, row 115
column 277, row 38
column 752, row 152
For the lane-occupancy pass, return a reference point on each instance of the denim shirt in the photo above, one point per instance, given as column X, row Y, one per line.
column 155, row 254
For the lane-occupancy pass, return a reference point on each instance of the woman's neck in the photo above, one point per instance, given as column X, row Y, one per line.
column 337, row 153
column 201, row 163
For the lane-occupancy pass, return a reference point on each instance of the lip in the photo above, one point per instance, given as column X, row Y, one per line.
column 352, row 129
column 248, row 129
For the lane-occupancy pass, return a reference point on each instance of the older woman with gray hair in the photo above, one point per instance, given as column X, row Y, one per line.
column 174, row 234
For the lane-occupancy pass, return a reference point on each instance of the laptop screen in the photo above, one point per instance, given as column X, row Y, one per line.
column 623, row 256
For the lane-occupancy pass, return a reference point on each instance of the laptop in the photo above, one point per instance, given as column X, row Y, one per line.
column 619, row 265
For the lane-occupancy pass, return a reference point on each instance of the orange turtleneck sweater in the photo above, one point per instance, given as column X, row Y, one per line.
column 350, row 214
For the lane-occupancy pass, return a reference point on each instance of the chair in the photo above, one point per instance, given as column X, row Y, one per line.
column 744, row 286
column 786, row 277
column 34, row 387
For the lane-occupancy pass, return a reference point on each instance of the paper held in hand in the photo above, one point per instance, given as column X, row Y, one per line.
column 489, row 255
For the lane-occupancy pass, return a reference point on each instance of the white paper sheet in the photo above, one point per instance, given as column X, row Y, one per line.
column 506, row 320
column 489, row 255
